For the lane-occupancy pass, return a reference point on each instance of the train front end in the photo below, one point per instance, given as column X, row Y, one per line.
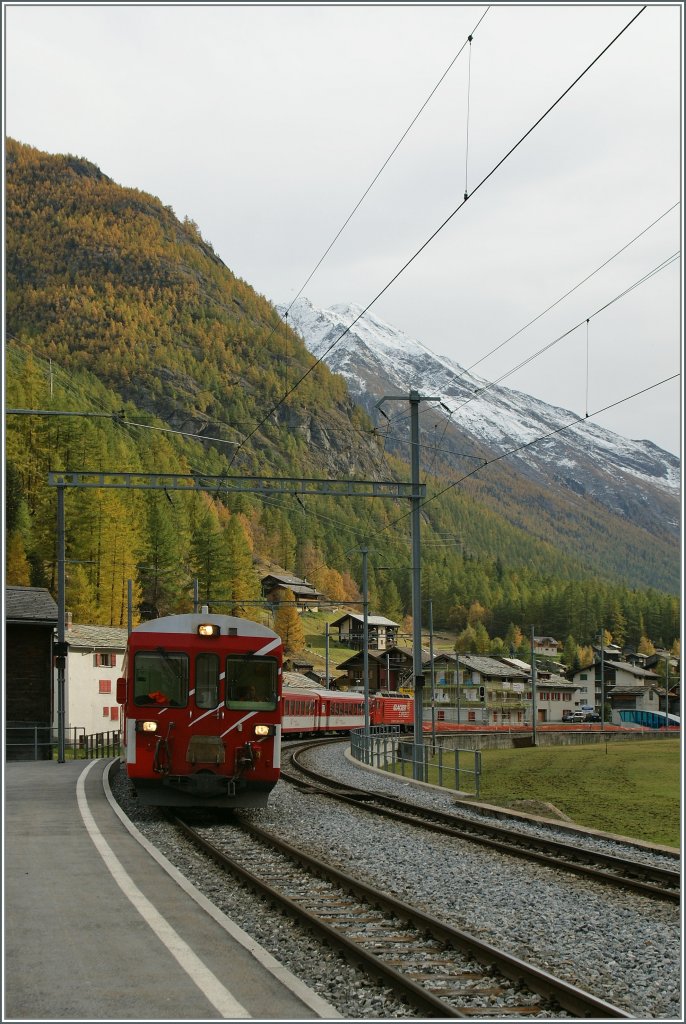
column 201, row 701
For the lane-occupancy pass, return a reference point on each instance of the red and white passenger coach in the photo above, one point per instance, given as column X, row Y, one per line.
column 201, row 710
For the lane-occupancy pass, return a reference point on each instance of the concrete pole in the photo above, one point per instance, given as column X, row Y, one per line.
column 533, row 689
column 433, row 677
column 130, row 606
column 418, row 758
column 602, row 679
column 365, row 643
column 61, row 653
column 457, row 662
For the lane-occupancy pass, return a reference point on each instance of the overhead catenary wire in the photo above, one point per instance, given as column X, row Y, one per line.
column 369, row 188
column 459, row 377
column 572, row 290
column 576, row 422
column 440, row 228
column 466, row 148
column 545, row 348
column 386, row 162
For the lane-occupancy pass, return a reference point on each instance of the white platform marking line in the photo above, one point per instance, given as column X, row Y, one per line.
column 207, row 982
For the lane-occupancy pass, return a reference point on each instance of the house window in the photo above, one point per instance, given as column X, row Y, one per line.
column 114, row 714
column 104, row 686
column 105, row 658
column 471, row 716
column 105, row 712
column 584, row 675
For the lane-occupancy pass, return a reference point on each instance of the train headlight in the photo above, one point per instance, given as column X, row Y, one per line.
column 264, row 730
column 208, row 629
column 146, row 726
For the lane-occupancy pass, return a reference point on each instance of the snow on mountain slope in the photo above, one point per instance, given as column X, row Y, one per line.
column 634, row 479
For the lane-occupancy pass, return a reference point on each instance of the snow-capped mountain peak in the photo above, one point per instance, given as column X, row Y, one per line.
column 634, row 479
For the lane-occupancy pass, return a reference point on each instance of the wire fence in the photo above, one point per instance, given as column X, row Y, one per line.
column 451, row 768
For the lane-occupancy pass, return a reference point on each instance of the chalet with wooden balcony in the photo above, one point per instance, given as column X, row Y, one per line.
column 382, row 632
column 306, row 596
column 388, row 670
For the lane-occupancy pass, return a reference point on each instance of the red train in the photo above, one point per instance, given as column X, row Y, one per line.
column 201, row 711
column 317, row 712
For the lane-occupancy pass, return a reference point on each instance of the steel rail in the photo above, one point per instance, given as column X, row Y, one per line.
column 623, row 873
column 536, row 980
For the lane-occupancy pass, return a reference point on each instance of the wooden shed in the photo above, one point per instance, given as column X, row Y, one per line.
column 30, row 623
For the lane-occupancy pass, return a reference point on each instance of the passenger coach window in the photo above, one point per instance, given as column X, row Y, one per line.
column 160, row 678
column 207, row 680
column 251, row 683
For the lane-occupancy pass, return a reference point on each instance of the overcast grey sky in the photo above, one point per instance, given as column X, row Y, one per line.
column 265, row 125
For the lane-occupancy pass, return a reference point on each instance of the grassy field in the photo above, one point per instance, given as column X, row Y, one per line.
column 631, row 789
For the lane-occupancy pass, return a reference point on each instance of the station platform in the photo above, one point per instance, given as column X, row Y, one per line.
column 98, row 926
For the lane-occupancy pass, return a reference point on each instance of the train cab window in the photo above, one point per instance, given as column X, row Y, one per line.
column 207, row 680
column 251, row 683
column 160, row 678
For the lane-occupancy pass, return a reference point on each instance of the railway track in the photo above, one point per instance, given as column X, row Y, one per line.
column 440, row 971
column 647, row 879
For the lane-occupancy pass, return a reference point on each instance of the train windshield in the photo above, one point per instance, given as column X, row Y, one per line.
column 207, row 680
column 251, row 683
column 160, row 678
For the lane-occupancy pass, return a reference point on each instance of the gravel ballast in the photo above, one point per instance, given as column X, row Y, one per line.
column 620, row 946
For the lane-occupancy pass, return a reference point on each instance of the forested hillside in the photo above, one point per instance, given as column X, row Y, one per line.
column 116, row 307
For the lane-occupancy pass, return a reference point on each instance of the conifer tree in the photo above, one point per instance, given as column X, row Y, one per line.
column 17, row 569
column 80, row 596
column 242, row 581
column 466, row 641
column 646, row 646
column 288, row 625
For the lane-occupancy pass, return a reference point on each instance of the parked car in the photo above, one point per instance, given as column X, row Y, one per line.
column 583, row 716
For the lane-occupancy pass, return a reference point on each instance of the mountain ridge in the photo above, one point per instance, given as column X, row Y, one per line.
column 374, row 356
column 579, row 472
column 106, row 284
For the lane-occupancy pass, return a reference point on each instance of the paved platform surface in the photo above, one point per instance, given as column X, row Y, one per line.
column 97, row 929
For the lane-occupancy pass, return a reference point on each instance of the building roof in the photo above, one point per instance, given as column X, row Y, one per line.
column 372, row 620
column 100, row 637
column 30, row 605
column 297, row 680
column 381, row 656
column 491, row 667
column 299, row 587
column 634, row 670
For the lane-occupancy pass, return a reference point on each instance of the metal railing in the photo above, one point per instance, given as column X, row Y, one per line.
column 28, row 741
column 451, row 768
column 38, row 741
column 100, row 744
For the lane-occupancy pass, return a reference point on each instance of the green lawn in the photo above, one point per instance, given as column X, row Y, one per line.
column 632, row 789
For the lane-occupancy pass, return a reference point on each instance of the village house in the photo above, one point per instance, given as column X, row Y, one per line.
column 306, row 596
column 497, row 691
column 546, row 647
column 627, row 687
column 486, row 693
column 382, row 632
column 388, row 670
column 94, row 663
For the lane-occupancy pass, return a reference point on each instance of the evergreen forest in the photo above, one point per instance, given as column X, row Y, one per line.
column 159, row 359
